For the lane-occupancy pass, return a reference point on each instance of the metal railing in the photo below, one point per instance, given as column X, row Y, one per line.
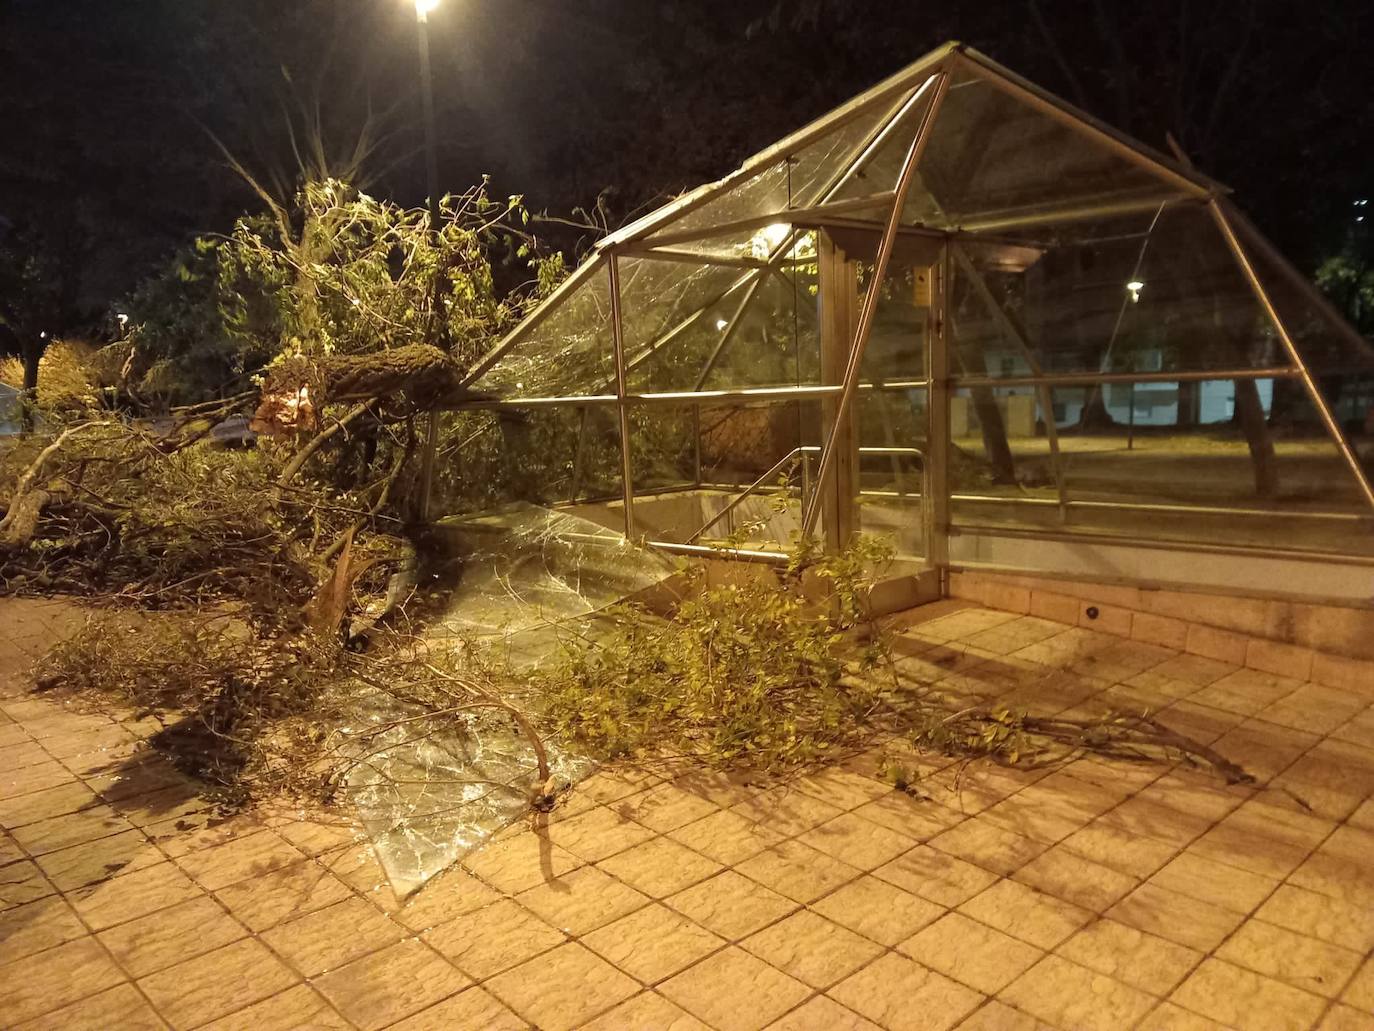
column 803, row 453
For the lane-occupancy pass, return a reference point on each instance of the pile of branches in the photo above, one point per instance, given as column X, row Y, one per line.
column 781, row 671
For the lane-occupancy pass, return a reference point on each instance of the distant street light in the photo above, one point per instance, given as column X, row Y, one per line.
column 423, row 7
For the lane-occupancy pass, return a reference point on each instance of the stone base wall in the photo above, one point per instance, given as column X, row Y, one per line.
column 1328, row 644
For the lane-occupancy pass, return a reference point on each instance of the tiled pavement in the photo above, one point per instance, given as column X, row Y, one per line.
column 1103, row 895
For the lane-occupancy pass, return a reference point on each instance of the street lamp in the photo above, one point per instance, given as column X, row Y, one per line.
column 422, row 12
column 423, row 8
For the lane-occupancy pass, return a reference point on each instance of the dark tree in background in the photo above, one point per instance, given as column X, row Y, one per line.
column 116, row 116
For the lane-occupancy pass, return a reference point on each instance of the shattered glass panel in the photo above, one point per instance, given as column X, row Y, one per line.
column 771, row 341
column 992, row 156
column 661, row 300
column 526, row 576
column 570, row 352
column 791, row 182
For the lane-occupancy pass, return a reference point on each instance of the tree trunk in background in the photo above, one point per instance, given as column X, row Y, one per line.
column 994, row 435
column 1189, row 404
column 1250, row 416
column 33, row 354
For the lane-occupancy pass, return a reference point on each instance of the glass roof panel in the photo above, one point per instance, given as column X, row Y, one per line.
column 570, row 352
column 772, row 340
column 799, row 180
column 1152, row 292
column 992, row 156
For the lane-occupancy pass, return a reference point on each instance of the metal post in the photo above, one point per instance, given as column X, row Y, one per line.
column 1328, row 419
column 431, row 451
column 1130, row 424
column 935, row 483
column 870, row 305
column 618, row 338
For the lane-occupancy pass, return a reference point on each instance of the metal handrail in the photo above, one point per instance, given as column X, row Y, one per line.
column 797, row 452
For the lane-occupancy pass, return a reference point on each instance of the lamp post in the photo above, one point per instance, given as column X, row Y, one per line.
column 427, row 462
column 422, row 12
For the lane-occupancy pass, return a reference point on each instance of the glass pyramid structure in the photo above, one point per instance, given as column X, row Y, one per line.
column 955, row 304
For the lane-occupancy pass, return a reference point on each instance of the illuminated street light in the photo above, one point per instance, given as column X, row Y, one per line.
column 424, row 7
column 1135, row 286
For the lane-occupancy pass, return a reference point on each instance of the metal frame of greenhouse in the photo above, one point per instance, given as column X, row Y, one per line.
column 1015, row 259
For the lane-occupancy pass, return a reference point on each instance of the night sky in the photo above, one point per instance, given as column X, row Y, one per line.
column 110, row 108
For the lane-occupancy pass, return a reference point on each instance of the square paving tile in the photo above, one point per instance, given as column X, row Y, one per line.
column 986, row 844
column 200, row 990
column 383, row 987
column 822, row 1014
column 1218, row 883
column 1119, row 849
column 843, row 787
column 913, row 817
column 36, row 926
column 1061, row 873
column 1287, row 956
column 170, row 936
column 19, row 810
column 798, row 871
column 597, row 833
column 120, row 1007
column 296, row 1008
column 1065, row 994
column 971, row 953
column 452, row 894
column 1318, row 916
column 787, row 810
column 252, row 856
column 659, row 867
column 59, row 832
column 1129, row 955
column 284, row 894
column 878, row 910
column 811, row 948
column 734, row 991
column 731, row 905
column 1022, row 912
column 71, row 868
column 521, row 862
column 664, row 808
column 726, row 837
column 490, row 940
column 653, row 943
column 902, row 995
column 132, row 895
column 22, row 882
column 858, row 842
column 562, row 989
column 1237, row 997
column 471, row 1008
column 647, row 1010
column 53, row 979
column 1167, row 914
column 331, row 937
column 940, row 878
column 582, row 901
